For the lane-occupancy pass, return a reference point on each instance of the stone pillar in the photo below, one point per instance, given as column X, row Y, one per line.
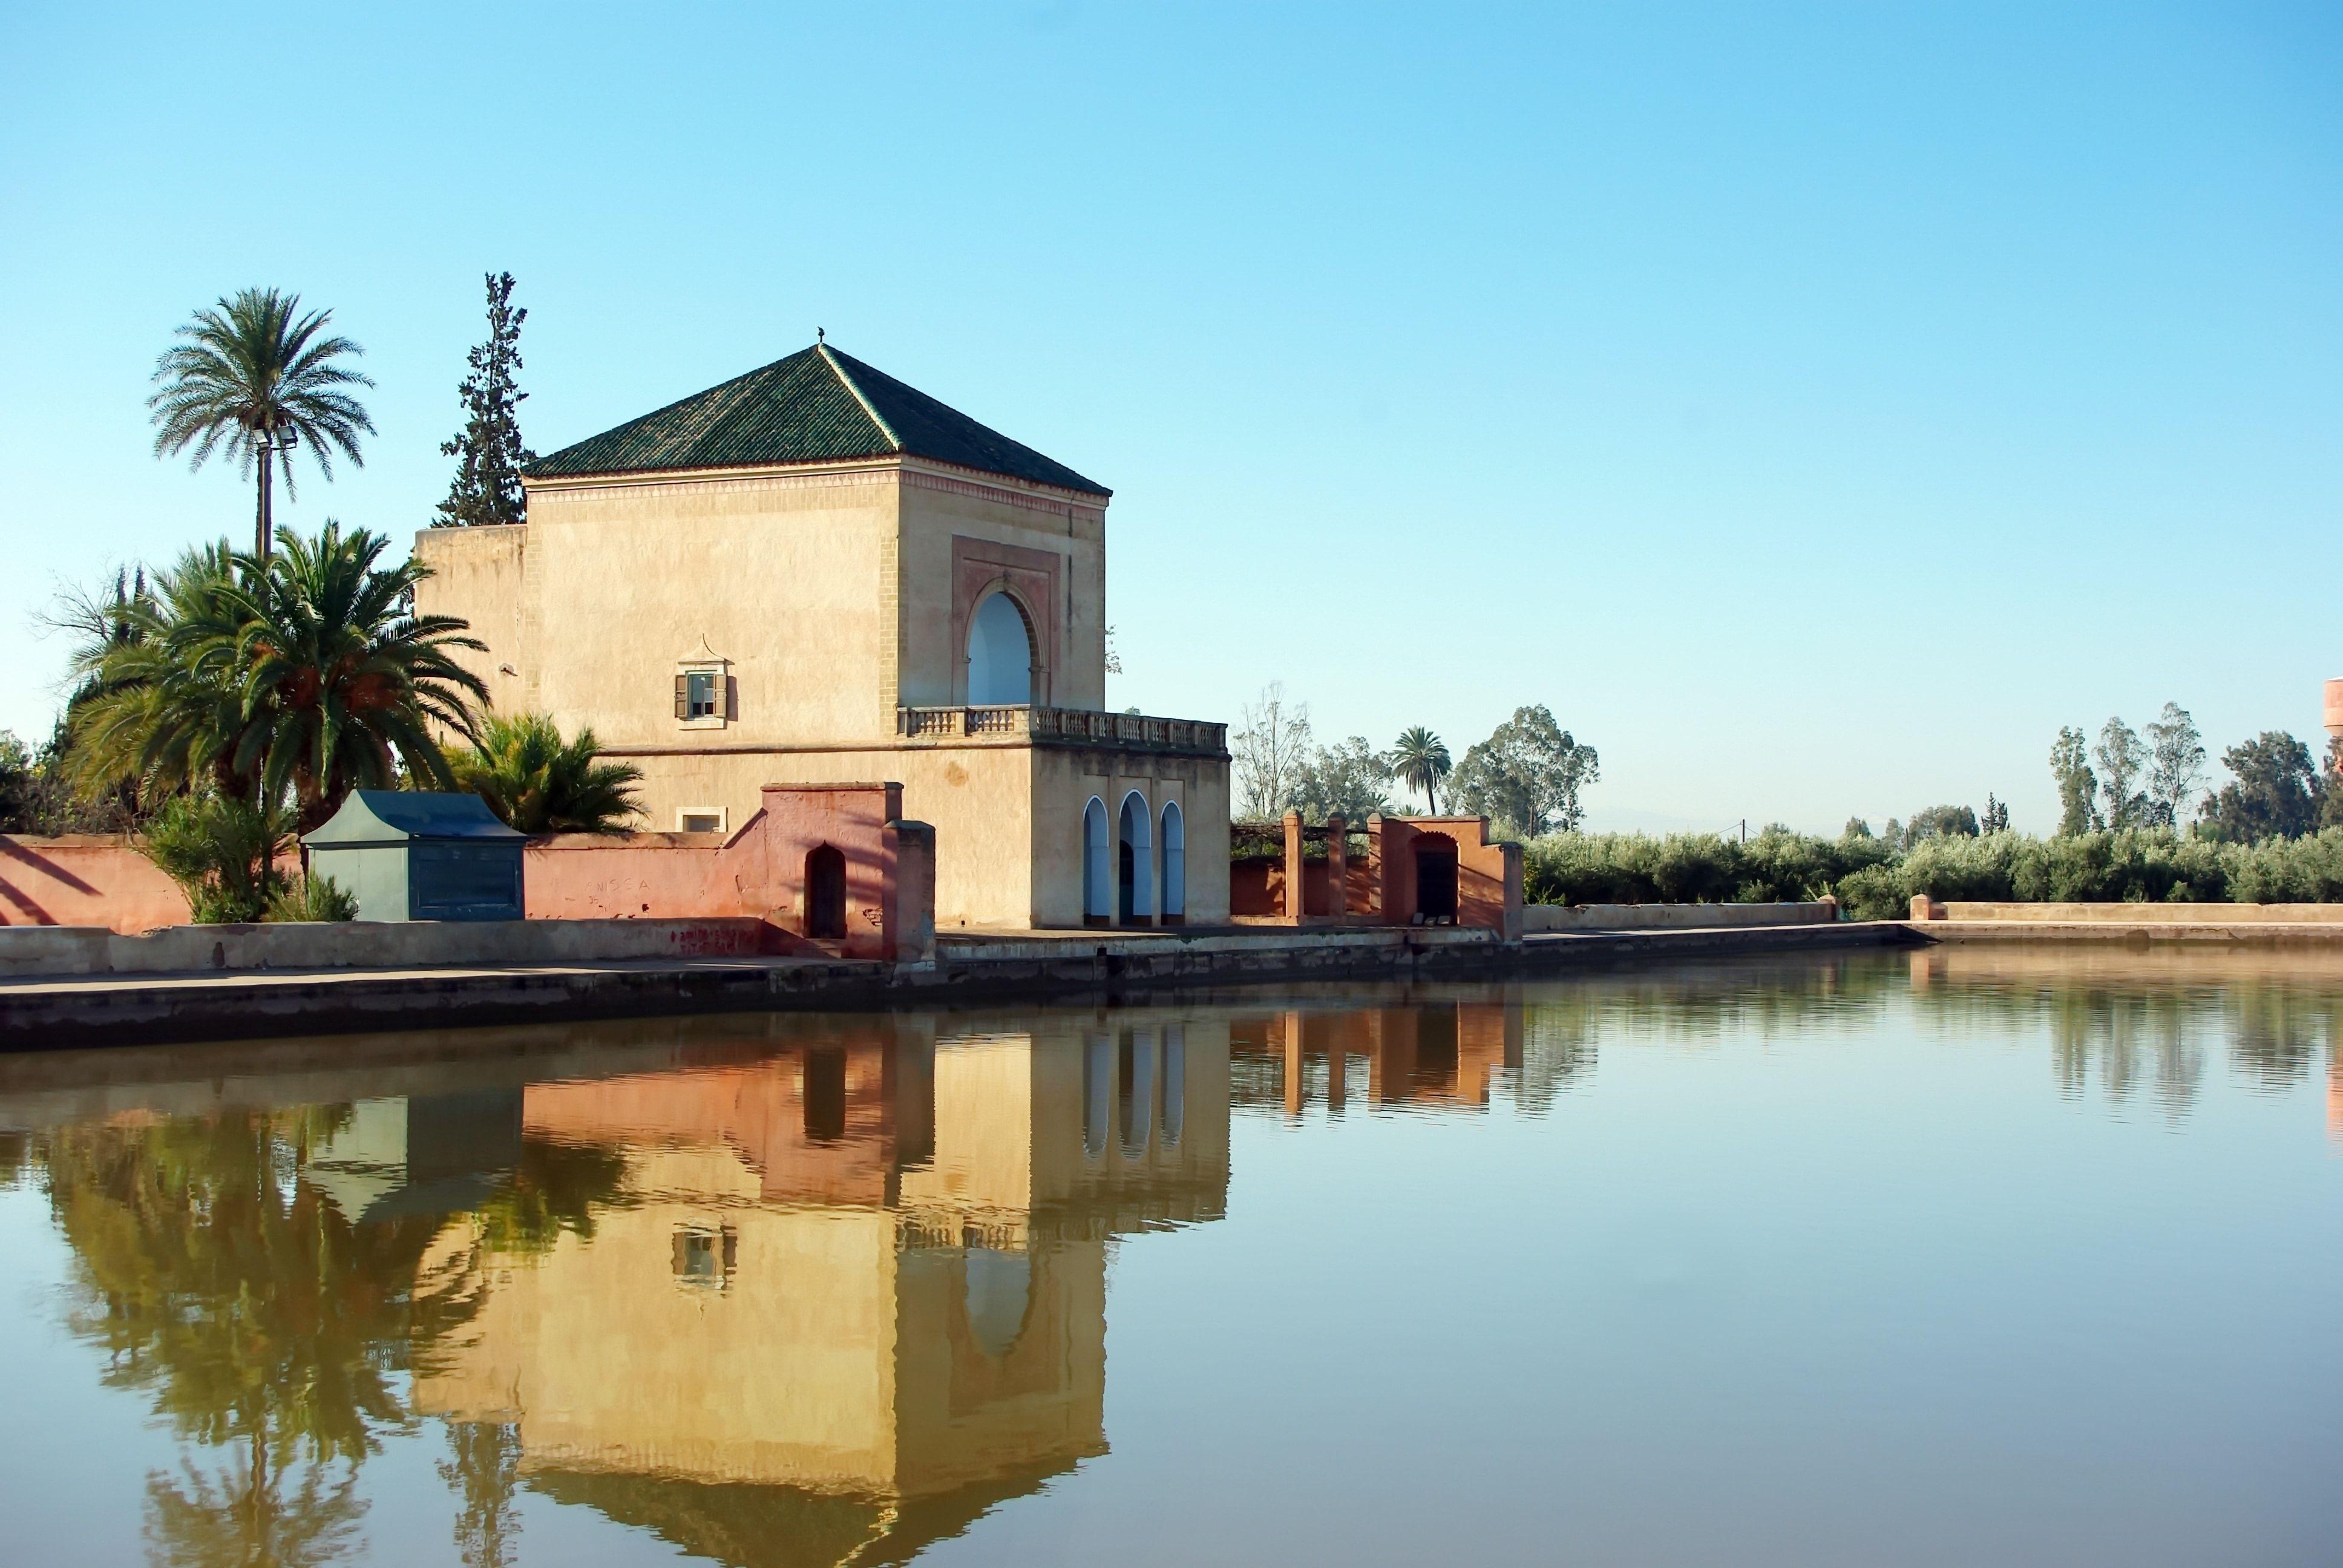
column 1338, row 869
column 910, row 934
column 1297, row 902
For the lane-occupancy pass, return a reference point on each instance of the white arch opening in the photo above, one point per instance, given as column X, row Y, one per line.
column 1135, row 861
column 1098, row 877
column 1175, row 862
column 1000, row 653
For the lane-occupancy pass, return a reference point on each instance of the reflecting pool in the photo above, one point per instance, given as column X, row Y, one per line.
column 1957, row 1257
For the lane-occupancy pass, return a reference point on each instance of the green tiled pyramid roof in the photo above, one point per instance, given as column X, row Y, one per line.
column 816, row 406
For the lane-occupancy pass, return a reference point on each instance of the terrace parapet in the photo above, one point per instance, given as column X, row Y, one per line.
column 1022, row 725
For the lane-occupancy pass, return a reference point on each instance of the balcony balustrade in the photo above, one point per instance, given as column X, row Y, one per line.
column 1064, row 726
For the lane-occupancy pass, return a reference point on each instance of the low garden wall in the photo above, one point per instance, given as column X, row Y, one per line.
column 367, row 945
column 85, row 879
column 2119, row 914
column 1536, row 918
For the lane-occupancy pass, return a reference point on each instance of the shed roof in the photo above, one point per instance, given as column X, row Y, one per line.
column 816, row 406
column 402, row 816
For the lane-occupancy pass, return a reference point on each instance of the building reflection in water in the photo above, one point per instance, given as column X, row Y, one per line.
column 843, row 1299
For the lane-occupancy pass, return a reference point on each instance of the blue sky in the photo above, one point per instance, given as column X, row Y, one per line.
column 1815, row 407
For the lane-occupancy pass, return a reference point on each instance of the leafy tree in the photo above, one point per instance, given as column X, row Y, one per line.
column 1997, row 816
column 1419, row 760
column 308, row 671
column 1856, row 827
column 1347, row 778
column 1528, row 775
column 538, row 783
column 253, row 377
column 1941, row 822
column 1270, row 749
column 2276, row 794
column 2176, row 764
column 488, row 451
column 17, row 784
column 2078, row 786
column 2330, row 797
column 2122, row 759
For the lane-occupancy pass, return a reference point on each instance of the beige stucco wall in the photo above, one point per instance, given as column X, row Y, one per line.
column 936, row 508
column 475, row 577
column 785, row 576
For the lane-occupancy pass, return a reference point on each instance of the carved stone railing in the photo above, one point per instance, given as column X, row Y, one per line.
column 1065, row 727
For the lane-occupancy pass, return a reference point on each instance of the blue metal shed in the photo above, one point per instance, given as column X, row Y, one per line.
column 413, row 855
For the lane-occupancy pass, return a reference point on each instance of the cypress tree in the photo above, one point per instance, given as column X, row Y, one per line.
column 488, row 451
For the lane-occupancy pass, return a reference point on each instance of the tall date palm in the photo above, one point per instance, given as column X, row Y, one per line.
column 1420, row 761
column 255, row 378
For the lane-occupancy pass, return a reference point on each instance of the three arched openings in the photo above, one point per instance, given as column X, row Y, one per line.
column 1131, row 874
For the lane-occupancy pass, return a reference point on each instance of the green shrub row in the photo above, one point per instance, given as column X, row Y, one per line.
column 1872, row 882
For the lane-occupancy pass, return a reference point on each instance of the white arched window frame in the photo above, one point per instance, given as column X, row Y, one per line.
column 1136, row 828
column 1175, row 862
column 1000, row 652
column 1098, row 863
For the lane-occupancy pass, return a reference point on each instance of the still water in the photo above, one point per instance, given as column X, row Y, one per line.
column 1951, row 1257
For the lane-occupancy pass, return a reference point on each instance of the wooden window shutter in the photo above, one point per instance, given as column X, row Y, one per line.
column 683, row 697
column 731, row 698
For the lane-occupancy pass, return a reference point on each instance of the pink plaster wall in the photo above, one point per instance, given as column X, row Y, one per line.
column 757, row 871
column 85, row 879
column 1488, row 875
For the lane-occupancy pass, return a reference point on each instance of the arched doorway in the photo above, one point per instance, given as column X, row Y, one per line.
column 1175, row 865
column 1000, row 653
column 1136, row 863
column 825, row 892
column 1435, row 879
column 1098, row 878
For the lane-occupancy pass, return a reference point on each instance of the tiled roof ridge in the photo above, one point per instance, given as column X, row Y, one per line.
column 821, row 348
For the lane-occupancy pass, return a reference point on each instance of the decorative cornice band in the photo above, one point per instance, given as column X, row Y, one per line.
column 920, row 473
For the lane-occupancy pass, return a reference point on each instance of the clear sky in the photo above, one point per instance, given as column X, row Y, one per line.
column 1815, row 407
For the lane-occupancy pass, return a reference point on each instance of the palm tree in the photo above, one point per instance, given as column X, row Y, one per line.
column 538, row 783
column 257, row 377
column 308, row 671
column 1420, row 761
column 338, row 673
column 154, row 702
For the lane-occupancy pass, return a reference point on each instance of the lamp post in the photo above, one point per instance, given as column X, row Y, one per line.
column 280, row 437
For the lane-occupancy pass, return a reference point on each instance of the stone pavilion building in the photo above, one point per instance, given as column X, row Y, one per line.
column 816, row 574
